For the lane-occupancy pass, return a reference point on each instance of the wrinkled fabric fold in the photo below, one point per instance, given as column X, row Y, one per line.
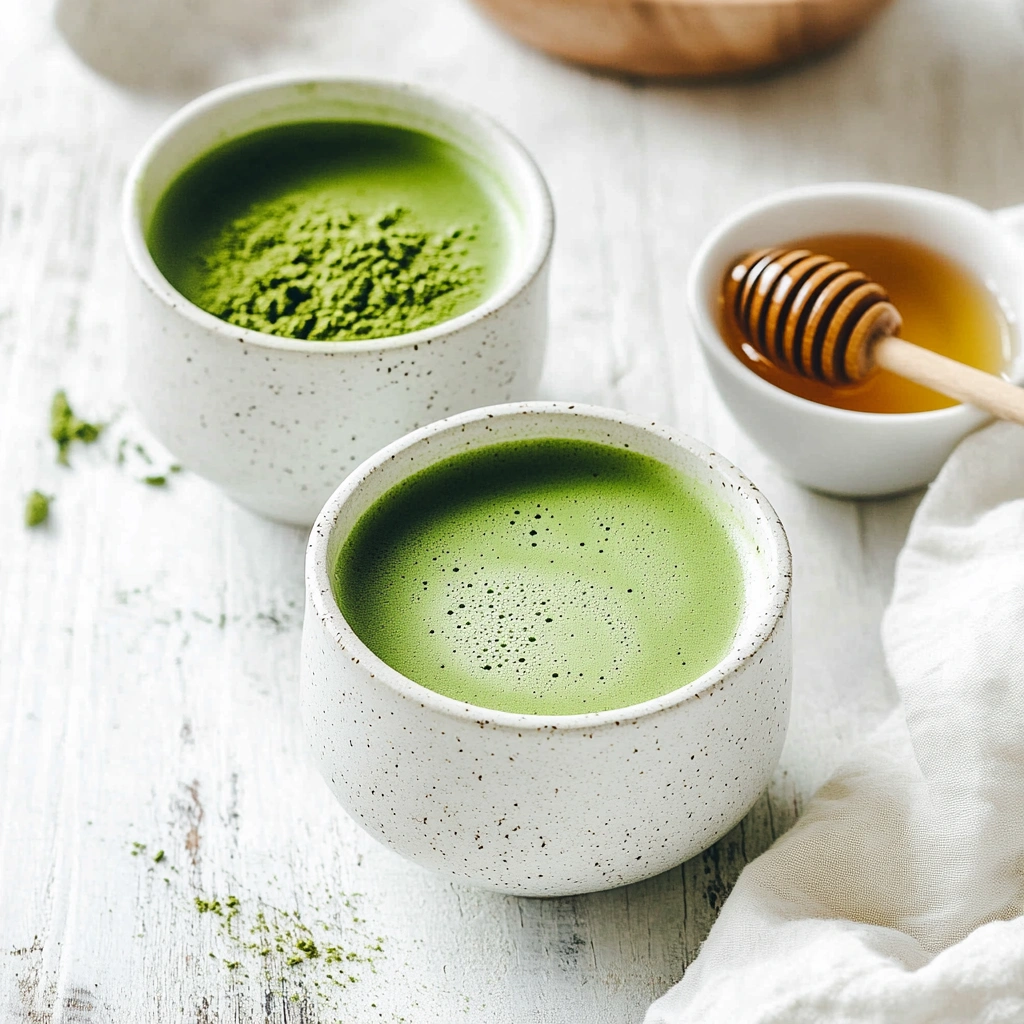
column 897, row 896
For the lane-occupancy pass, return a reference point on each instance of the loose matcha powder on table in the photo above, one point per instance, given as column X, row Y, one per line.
column 309, row 955
column 333, row 231
column 37, row 508
column 66, row 427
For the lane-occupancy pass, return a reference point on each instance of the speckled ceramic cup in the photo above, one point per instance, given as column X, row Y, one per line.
column 276, row 422
column 548, row 805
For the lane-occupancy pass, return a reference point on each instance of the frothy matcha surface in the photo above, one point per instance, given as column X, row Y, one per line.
column 545, row 576
column 332, row 231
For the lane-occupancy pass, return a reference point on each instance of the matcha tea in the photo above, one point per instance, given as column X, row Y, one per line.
column 333, row 231
column 546, row 577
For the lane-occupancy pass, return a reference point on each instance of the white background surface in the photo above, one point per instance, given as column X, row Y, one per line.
column 149, row 638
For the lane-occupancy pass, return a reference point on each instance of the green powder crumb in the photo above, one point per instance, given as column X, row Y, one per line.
column 132, row 451
column 299, row 267
column 37, row 508
column 66, row 427
column 158, row 856
column 306, row 950
column 138, row 848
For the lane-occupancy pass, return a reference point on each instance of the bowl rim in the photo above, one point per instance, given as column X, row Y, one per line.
column 961, row 416
column 538, row 223
column 321, row 602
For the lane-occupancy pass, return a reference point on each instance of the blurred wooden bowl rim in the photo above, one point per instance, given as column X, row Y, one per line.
column 682, row 38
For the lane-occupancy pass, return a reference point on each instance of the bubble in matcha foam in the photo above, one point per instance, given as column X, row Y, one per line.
column 545, row 577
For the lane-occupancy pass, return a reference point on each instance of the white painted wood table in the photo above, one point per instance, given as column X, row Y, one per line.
column 149, row 636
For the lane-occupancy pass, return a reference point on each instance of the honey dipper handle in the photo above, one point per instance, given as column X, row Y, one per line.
column 994, row 395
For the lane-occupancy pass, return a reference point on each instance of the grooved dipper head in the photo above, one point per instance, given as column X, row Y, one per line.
column 810, row 314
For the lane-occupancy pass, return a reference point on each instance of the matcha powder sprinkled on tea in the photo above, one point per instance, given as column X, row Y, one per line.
column 300, row 267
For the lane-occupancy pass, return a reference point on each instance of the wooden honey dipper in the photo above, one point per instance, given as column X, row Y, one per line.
column 812, row 315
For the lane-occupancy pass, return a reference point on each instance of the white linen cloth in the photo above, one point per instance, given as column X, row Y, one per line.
column 897, row 896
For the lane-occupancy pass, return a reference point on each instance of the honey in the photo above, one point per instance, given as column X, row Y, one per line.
column 944, row 308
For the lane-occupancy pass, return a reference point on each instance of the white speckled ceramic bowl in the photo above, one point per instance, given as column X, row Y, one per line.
column 548, row 805
column 853, row 454
column 278, row 422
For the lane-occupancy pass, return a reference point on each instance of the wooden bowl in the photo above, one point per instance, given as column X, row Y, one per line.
column 682, row 38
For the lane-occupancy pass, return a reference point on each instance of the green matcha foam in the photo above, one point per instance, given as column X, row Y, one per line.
column 544, row 577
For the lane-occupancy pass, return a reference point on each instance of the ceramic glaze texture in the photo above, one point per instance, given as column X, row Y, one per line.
column 853, row 454
column 277, row 428
column 546, row 805
column 275, row 422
